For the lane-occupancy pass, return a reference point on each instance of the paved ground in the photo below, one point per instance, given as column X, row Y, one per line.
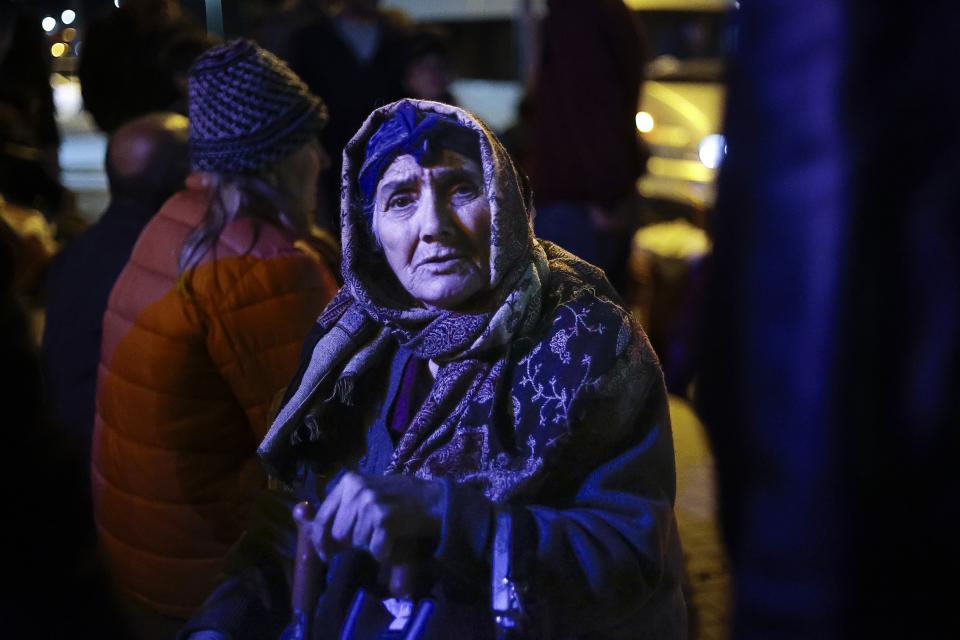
column 707, row 567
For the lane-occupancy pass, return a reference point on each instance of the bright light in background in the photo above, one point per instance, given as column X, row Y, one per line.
column 712, row 150
column 66, row 96
column 69, row 34
column 58, row 49
column 644, row 122
column 68, row 16
column 116, row 3
column 49, row 24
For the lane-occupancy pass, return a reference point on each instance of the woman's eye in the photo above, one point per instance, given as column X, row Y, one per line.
column 465, row 190
column 400, row 201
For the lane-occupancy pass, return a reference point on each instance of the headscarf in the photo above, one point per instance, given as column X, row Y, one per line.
column 372, row 310
column 410, row 131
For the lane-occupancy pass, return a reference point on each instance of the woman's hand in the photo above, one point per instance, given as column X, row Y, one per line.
column 385, row 515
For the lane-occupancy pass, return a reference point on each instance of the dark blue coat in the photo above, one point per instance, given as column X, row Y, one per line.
column 78, row 285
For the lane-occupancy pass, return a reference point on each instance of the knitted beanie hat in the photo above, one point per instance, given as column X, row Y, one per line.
column 247, row 109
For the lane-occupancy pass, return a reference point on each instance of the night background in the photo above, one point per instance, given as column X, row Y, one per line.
column 789, row 239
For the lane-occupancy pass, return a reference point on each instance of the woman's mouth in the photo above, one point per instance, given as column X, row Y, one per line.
column 442, row 260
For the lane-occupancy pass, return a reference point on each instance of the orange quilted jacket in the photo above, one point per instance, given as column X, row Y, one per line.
column 185, row 384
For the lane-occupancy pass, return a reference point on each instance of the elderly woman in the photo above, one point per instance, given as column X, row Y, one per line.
column 482, row 408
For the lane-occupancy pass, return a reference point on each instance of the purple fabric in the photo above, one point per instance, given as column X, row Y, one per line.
column 414, row 388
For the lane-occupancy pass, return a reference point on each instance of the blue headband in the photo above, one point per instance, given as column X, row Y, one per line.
column 414, row 132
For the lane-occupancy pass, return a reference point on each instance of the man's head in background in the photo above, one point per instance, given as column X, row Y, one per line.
column 148, row 159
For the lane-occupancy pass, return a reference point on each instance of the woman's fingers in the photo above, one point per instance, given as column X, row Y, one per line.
column 323, row 535
column 368, row 521
column 381, row 545
column 346, row 516
column 371, row 512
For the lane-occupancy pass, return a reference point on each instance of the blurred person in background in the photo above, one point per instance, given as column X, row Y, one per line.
column 29, row 138
column 36, row 247
column 57, row 584
column 122, row 72
column 518, row 137
column 176, row 58
column 427, row 74
column 667, row 269
column 270, row 22
column 585, row 156
column 25, row 82
column 202, row 331
column 353, row 55
column 830, row 376
column 146, row 163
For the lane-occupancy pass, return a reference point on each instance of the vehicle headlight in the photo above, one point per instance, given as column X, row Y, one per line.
column 712, row 150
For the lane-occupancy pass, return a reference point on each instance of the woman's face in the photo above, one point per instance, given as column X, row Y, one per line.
column 433, row 223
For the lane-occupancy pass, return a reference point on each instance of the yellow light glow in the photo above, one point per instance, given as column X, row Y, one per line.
column 674, row 239
column 671, row 136
column 175, row 120
column 644, row 122
column 689, row 170
column 58, row 49
column 69, row 34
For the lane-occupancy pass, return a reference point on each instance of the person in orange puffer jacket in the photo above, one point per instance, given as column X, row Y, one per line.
column 203, row 330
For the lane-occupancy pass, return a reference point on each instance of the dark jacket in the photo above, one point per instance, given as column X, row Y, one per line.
column 55, row 559
column 78, row 285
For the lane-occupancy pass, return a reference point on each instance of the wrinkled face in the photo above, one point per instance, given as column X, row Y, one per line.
column 433, row 223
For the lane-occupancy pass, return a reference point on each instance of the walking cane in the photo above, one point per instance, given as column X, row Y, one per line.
column 306, row 576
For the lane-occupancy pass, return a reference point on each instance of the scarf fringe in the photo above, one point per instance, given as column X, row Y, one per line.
column 343, row 390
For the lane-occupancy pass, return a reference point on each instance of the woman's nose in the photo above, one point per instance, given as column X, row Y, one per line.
column 436, row 221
